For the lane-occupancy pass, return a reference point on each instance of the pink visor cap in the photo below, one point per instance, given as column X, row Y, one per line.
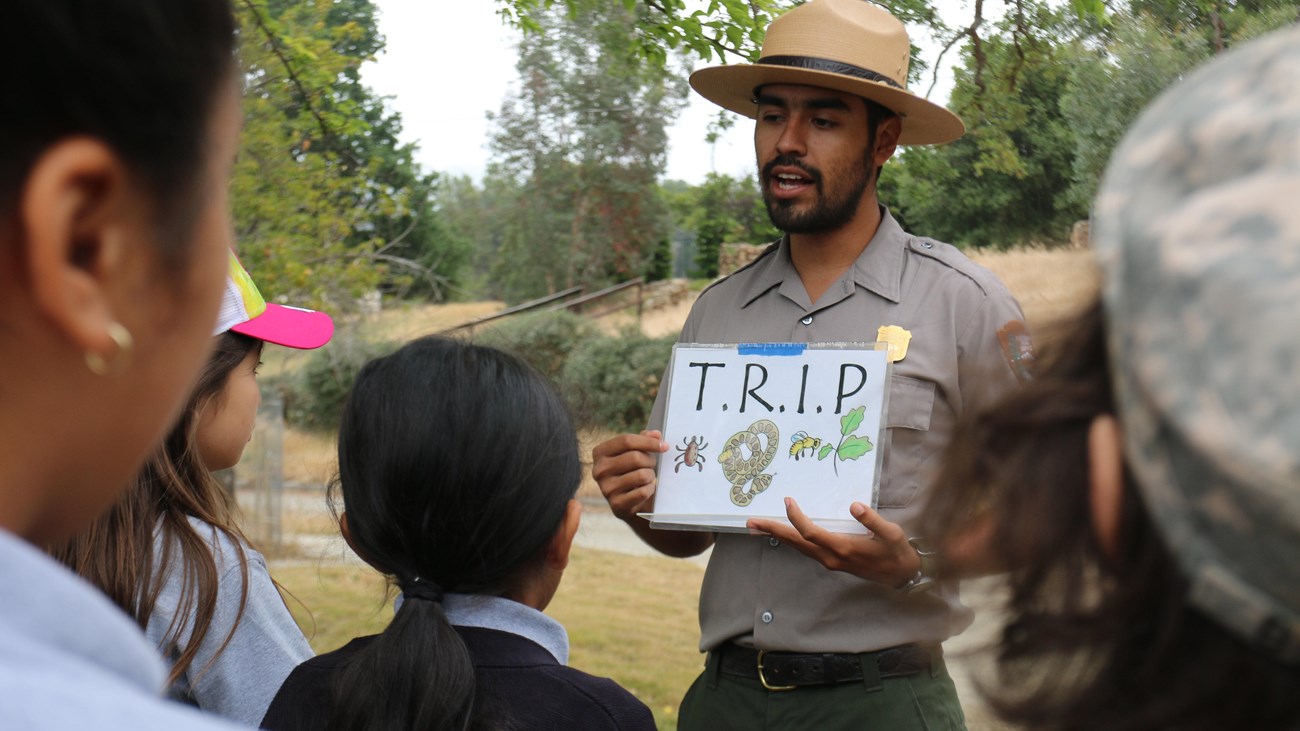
column 245, row 311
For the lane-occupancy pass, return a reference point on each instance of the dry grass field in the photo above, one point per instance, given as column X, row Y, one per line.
column 1051, row 284
column 412, row 321
column 648, row 646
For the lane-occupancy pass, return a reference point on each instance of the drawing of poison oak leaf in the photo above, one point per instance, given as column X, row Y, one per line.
column 851, row 445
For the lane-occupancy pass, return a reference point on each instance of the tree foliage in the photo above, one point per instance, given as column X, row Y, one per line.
column 1046, row 92
column 1045, row 114
column 576, row 153
column 719, row 211
column 719, row 29
column 1005, row 181
column 733, row 30
column 328, row 203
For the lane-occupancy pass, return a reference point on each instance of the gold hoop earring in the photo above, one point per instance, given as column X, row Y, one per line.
column 101, row 366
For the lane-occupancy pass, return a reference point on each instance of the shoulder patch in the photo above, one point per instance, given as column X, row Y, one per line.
column 1018, row 348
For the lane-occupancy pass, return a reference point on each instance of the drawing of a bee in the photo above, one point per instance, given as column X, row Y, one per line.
column 800, row 442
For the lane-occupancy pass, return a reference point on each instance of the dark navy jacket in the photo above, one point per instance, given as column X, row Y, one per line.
column 514, row 674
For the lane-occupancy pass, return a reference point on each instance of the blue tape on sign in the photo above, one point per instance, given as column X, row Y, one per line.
column 771, row 348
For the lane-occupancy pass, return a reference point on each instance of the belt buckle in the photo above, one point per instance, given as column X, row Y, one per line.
column 763, row 679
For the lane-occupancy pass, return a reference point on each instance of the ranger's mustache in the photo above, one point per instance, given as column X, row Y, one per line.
column 790, row 161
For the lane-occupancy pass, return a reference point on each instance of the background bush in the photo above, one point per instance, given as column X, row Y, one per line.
column 314, row 398
column 611, row 382
column 544, row 339
column 608, row 381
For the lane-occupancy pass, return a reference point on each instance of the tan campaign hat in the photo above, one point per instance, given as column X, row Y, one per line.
column 852, row 46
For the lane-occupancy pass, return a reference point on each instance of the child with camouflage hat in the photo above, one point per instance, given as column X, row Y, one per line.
column 1145, row 487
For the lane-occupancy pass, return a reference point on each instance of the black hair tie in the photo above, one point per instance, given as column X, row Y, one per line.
column 426, row 590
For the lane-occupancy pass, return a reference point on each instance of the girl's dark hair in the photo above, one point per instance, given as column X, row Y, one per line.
column 456, row 465
column 1091, row 641
column 117, row 553
column 140, row 75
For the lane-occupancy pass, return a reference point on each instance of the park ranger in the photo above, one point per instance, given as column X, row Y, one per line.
column 791, row 643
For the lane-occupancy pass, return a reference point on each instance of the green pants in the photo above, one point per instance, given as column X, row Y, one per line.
column 923, row 701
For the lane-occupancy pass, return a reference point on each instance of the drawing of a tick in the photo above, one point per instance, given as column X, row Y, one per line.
column 800, row 442
column 690, row 453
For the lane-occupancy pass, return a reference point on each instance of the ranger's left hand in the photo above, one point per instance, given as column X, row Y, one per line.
column 884, row 556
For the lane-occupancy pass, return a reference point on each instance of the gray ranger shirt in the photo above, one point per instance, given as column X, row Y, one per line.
column 759, row 593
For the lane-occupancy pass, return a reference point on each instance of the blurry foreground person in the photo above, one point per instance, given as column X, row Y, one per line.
column 114, row 232
column 1146, row 484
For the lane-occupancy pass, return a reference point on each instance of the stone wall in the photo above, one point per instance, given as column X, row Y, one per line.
column 664, row 293
column 1081, row 235
column 735, row 256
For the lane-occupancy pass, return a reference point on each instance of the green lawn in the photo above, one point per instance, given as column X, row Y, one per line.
column 629, row 618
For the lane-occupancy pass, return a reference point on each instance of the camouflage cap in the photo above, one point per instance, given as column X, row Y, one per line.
column 1197, row 229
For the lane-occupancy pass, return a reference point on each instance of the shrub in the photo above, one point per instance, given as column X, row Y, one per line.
column 612, row 381
column 544, row 339
column 608, row 382
column 314, row 398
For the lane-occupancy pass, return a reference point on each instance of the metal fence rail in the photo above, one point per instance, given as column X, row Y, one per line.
column 577, row 305
column 507, row 312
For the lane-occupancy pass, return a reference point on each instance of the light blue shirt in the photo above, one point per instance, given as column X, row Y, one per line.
column 239, row 680
column 69, row 658
column 505, row 615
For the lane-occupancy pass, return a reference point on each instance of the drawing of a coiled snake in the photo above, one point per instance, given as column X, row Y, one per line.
column 740, row 470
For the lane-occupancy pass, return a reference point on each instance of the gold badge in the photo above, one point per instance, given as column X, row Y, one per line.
column 897, row 339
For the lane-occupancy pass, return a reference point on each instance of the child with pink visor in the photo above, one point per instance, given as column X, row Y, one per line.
column 171, row 553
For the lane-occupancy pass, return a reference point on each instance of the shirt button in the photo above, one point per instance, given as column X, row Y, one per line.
column 767, row 617
column 807, row 320
column 927, row 245
column 773, row 542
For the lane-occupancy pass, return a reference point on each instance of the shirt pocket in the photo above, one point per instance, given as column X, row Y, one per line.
column 911, row 405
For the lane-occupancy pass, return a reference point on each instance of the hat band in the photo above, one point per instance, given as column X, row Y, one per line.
column 833, row 67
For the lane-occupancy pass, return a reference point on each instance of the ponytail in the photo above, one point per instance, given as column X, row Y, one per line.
column 417, row 674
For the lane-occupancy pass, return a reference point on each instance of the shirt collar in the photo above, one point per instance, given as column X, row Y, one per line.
column 878, row 269
column 505, row 615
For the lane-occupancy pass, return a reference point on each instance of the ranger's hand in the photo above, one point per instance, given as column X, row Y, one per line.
column 884, row 556
column 624, row 468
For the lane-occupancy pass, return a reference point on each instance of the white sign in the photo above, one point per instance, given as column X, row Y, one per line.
column 749, row 425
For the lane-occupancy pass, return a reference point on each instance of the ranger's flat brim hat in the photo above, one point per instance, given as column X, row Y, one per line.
column 851, row 46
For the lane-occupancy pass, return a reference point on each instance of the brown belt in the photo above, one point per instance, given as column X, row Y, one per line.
column 788, row 670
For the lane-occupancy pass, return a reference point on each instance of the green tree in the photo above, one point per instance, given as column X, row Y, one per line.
column 1005, row 182
column 1126, row 65
column 733, row 30
column 327, row 203
column 576, row 153
column 714, row 223
column 718, row 211
column 1046, row 93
